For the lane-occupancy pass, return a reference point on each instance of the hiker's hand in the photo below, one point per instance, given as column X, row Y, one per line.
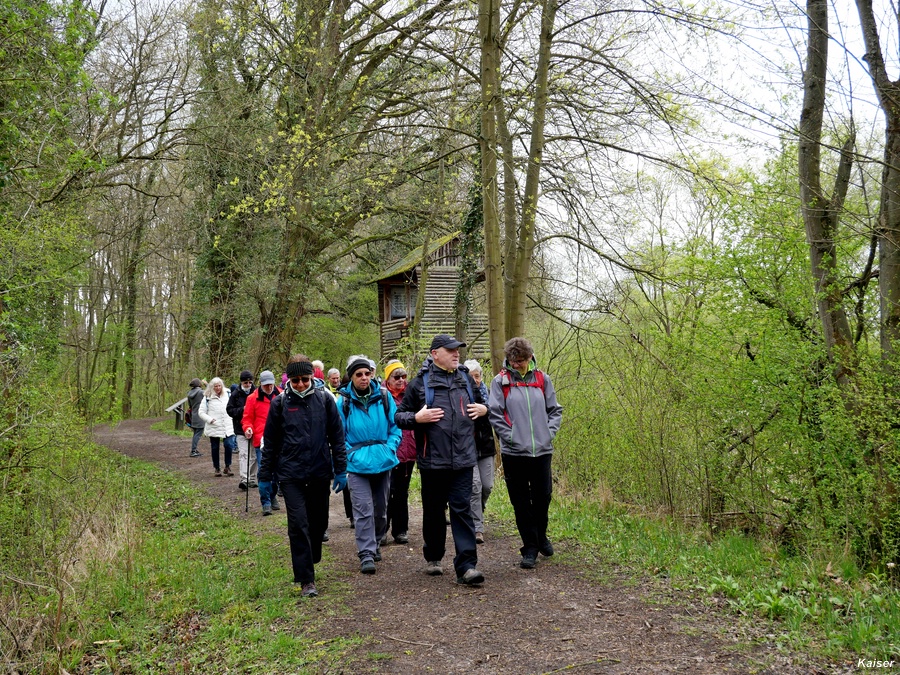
column 340, row 482
column 248, row 433
column 427, row 414
column 476, row 410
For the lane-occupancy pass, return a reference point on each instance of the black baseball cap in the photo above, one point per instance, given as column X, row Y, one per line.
column 446, row 341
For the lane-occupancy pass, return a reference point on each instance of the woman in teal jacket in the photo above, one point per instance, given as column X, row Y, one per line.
column 372, row 439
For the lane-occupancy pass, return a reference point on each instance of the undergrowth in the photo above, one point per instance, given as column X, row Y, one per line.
column 820, row 603
column 180, row 585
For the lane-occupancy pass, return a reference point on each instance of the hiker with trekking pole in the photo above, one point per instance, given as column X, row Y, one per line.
column 236, row 403
column 256, row 411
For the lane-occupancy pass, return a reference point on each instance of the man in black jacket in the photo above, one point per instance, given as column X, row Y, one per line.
column 443, row 421
column 235, row 409
column 304, row 442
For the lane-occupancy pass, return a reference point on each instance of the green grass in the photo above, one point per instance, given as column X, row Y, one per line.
column 823, row 604
column 196, row 589
column 179, row 585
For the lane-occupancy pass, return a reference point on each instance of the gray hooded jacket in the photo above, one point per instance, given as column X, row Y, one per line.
column 526, row 421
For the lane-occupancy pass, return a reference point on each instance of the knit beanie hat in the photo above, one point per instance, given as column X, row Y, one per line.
column 298, row 368
column 391, row 367
column 356, row 364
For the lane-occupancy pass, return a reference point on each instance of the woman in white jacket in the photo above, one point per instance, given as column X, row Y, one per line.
column 218, row 423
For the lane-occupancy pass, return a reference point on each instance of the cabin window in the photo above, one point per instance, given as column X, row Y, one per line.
column 403, row 302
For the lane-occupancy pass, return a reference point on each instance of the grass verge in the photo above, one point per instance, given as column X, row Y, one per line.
column 193, row 589
column 822, row 604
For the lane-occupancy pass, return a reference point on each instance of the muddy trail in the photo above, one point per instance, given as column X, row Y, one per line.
column 555, row 618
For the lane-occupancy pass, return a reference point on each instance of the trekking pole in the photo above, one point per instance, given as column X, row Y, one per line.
column 247, row 495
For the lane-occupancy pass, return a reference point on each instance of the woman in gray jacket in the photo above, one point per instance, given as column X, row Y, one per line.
column 525, row 415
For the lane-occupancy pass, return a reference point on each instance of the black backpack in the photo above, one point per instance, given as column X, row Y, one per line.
column 345, row 404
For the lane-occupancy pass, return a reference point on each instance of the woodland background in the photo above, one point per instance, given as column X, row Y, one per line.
column 693, row 211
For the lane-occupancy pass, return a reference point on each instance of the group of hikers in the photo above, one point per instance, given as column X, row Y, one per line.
column 362, row 435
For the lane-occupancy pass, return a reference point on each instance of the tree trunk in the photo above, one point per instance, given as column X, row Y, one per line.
column 889, row 226
column 520, row 273
column 488, row 29
column 820, row 214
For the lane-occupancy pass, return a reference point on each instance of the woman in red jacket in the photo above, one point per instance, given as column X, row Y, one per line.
column 395, row 378
column 256, row 410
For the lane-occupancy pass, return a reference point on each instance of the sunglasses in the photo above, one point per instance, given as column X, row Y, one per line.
column 298, row 380
column 363, row 373
column 398, row 377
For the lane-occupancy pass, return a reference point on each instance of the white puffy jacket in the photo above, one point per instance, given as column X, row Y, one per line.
column 218, row 423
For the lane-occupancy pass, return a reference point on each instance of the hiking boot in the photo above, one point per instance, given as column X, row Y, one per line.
column 267, row 510
column 242, row 486
column 367, row 566
column 325, row 536
column 472, row 577
column 252, row 485
column 401, row 538
column 309, row 590
column 433, row 568
column 228, row 471
column 275, row 504
column 528, row 562
column 479, row 537
column 383, row 541
column 195, row 454
column 378, row 554
column 546, row 548
column 218, row 474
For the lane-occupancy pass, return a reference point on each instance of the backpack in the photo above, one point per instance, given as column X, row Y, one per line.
column 345, row 403
column 429, row 391
column 506, row 383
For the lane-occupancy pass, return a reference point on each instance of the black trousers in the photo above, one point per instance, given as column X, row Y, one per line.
column 398, row 503
column 441, row 487
column 306, row 503
column 530, row 487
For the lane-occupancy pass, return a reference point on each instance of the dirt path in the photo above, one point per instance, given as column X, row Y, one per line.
column 546, row 620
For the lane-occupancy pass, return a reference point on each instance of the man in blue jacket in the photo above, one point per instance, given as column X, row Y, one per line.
column 443, row 420
column 304, row 443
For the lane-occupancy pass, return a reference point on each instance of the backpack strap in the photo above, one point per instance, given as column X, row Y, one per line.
column 345, row 404
column 506, row 382
column 429, row 391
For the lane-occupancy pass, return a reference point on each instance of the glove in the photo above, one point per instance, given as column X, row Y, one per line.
column 265, row 487
column 340, row 482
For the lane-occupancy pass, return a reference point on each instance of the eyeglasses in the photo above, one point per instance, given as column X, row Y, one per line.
column 398, row 377
column 363, row 373
column 304, row 379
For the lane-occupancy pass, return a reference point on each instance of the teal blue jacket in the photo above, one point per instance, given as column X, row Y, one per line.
column 371, row 436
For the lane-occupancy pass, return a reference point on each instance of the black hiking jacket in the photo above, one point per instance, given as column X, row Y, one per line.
column 304, row 438
column 448, row 443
